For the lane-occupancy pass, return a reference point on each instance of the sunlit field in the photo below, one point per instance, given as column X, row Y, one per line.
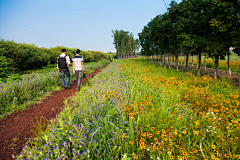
column 138, row 110
column 21, row 90
column 234, row 62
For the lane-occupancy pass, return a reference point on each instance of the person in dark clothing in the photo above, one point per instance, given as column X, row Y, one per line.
column 63, row 62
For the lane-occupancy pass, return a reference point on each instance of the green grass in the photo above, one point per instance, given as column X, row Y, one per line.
column 138, row 110
column 17, row 94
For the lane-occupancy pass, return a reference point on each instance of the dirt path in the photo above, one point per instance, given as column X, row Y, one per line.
column 15, row 129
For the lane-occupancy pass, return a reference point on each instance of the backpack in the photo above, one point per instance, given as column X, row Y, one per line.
column 62, row 64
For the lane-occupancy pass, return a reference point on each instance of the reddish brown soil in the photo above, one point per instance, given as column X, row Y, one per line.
column 15, row 129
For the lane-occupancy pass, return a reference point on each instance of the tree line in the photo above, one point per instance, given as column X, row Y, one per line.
column 125, row 44
column 20, row 56
column 193, row 27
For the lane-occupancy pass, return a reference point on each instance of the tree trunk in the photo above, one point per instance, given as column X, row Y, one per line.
column 205, row 67
column 187, row 57
column 173, row 59
column 229, row 69
column 199, row 60
column 181, row 58
column 161, row 60
column 176, row 55
column 164, row 60
column 216, row 74
column 192, row 61
column 169, row 60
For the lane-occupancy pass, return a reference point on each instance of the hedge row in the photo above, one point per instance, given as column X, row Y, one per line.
column 21, row 56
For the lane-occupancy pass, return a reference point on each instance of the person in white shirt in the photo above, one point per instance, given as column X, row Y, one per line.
column 78, row 68
column 63, row 62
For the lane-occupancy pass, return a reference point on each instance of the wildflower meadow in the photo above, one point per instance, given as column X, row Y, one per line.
column 16, row 94
column 139, row 110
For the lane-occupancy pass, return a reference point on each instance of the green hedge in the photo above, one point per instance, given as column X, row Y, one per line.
column 21, row 56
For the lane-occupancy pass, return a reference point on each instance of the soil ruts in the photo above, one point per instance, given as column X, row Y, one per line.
column 15, row 129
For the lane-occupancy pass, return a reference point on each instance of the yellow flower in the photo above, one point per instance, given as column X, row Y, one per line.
column 153, row 128
column 197, row 122
column 196, row 132
column 184, row 131
column 213, row 146
column 148, row 125
column 123, row 135
column 157, row 132
column 142, row 145
column 131, row 142
column 213, row 157
column 133, row 155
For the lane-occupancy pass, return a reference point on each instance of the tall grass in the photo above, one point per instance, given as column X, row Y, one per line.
column 16, row 94
column 137, row 110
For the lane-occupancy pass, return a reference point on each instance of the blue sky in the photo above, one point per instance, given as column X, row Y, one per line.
column 84, row 24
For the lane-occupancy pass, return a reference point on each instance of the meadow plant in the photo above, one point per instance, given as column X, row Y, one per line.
column 138, row 110
column 94, row 130
column 30, row 87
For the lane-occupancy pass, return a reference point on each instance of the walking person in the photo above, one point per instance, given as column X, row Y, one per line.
column 78, row 68
column 63, row 62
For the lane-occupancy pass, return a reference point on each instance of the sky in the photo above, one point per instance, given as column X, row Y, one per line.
column 83, row 24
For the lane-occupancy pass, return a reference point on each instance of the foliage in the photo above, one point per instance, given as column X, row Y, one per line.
column 125, row 44
column 194, row 27
column 22, row 89
column 22, row 57
column 134, row 110
column 3, row 68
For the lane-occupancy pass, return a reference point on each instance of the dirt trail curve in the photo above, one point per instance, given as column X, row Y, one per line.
column 15, row 129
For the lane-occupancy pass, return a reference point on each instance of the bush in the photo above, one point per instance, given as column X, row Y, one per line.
column 21, row 57
column 3, row 68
